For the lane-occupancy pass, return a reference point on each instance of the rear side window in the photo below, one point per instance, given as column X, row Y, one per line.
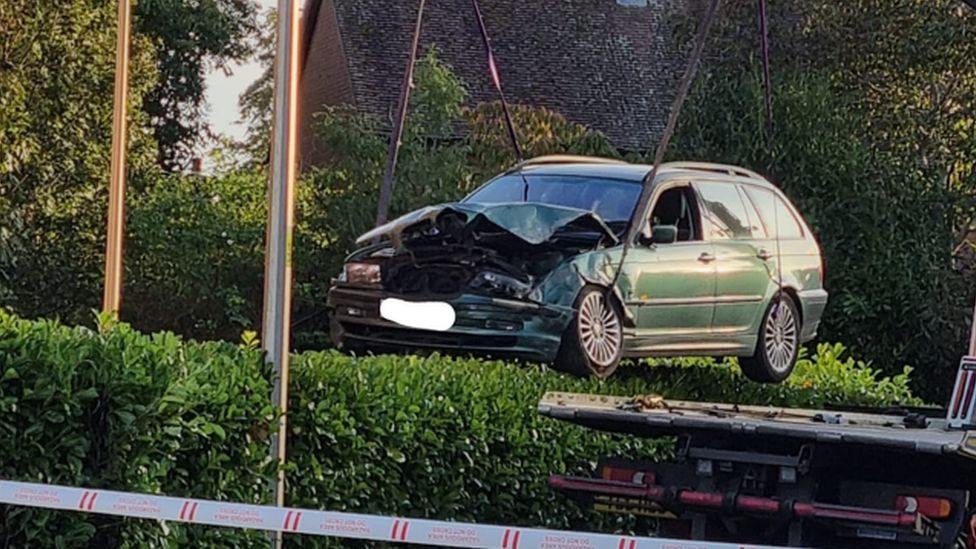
column 725, row 211
column 755, row 220
column 777, row 217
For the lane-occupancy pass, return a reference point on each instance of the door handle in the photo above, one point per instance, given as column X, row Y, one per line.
column 764, row 254
column 706, row 257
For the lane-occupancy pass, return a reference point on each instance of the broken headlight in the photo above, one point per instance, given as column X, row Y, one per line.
column 501, row 284
column 361, row 274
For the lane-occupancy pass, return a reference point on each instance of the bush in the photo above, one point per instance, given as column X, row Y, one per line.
column 194, row 256
column 438, row 437
column 116, row 409
column 827, row 377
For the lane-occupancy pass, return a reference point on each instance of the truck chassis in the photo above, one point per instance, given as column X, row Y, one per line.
column 895, row 479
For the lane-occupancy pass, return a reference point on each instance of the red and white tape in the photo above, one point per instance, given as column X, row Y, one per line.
column 325, row 523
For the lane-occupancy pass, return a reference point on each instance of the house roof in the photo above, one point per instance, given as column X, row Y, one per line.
column 607, row 64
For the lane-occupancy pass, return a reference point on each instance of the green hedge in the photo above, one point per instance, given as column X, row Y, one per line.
column 424, row 437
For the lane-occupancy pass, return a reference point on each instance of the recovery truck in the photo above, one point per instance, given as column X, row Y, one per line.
column 897, row 478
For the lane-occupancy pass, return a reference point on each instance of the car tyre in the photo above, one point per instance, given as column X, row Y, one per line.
column 593, row 343
column 778, row 344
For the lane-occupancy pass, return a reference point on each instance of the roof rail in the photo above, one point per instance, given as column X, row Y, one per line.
column 717, row 168
column 565, row 159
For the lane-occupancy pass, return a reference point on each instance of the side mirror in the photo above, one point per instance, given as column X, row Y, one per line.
column 664, row 234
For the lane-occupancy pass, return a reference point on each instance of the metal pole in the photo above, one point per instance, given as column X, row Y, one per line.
column 972, row 335
column 112, row 296
column 386, row 191
column 276, row 326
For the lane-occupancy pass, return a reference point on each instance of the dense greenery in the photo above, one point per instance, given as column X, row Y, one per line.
column 424, row 437
column 57, row 67
column 195, row 254
column 875, row 145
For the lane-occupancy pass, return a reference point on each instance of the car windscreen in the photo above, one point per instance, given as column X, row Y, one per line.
column 612, row 199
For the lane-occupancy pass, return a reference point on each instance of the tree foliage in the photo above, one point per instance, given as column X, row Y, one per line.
column 539, row 131
column 874, row 144
column 195, row 255
column 57, row 67
column 257, row 102
column 192, row 37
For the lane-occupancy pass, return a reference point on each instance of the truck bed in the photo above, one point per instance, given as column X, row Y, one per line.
column 654, row 416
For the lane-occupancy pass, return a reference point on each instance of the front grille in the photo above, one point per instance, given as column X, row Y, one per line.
column 429, row 279
column 411, row 337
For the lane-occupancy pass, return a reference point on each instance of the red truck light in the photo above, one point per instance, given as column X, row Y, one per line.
column 931, row 507
column 620, row 474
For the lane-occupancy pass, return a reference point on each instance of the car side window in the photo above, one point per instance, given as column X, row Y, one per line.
column 756, row 223
column 776, row 215
column 676, row 206
column 725, row 211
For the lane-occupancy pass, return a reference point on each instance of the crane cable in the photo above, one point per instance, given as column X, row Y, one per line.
column 763, row 17
column 497, row 81
column 639, row 213
column 767, row 86
column 770, row 133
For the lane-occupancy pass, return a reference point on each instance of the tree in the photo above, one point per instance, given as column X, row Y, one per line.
column 57, row 67
column 540, row 131
column 191, row 38
column 194, row 256
column 257, row 101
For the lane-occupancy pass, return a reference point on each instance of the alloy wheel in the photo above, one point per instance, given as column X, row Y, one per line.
column 781, row 337
column 599, row 330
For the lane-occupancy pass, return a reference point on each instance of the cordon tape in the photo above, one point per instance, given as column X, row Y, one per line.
column 325, row 523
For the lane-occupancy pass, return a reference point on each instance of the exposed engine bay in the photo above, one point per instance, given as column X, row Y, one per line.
column 453, row 252
column 445, row 271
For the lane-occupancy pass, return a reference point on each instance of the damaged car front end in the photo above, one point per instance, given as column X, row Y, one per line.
column 497, row 279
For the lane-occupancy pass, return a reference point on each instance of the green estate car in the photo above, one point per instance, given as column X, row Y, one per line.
column 527, row 265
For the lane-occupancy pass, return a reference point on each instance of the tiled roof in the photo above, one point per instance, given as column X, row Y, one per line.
column 608, row 64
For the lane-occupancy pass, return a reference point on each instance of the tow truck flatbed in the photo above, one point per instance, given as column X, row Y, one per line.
column 655, row 417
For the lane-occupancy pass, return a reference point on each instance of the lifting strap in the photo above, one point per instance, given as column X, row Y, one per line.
column 386, row 189
column 640, row 212
column 767, row 86
column 497, row 81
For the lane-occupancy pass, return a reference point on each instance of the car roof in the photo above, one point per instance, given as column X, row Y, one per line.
column 627, row 172
column 617, row 169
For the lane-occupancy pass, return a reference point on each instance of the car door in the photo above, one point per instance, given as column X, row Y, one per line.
column 673, row 283
column 742, row 263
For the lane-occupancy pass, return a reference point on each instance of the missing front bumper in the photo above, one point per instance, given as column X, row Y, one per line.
column 483, row 325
